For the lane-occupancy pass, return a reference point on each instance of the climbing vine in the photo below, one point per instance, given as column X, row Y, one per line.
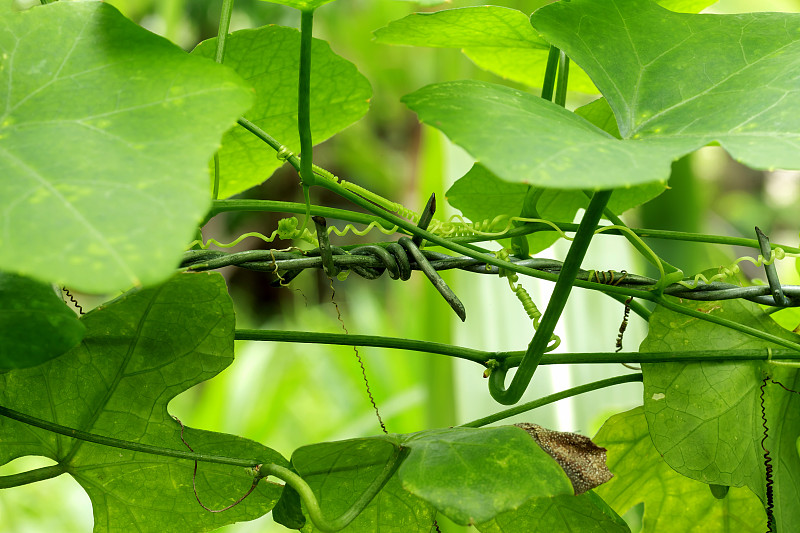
column 118, row 148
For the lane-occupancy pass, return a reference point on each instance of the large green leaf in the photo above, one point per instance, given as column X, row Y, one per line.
column 672, row 503
column 586, row 513
column 705, row 418
column 524, row 139
column 497, row 39
column 482, row 196
column 268, row 58
column 689, row 78
column 37, row 325
column 107, row 131
column 139, row 352
column 469, row 475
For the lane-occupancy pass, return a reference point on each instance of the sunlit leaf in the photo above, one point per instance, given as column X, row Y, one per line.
column 139, row 352
column 36, row 324
column 268, row 58
column 106, row 131
column 705, row 418
column 497, row 39
column 746, row 65
column 672, row 503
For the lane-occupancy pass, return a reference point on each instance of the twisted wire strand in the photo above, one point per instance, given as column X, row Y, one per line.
column 371, row 261
column 769, row 508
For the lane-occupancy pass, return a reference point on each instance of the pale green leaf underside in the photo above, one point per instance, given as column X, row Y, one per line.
column 705, row 418
column 36, row 324
column 672, row 503
column 523, row 138
column 267, row 57
column 497, row 39
column 690, row 78
column 106, row 131
column 139, row 352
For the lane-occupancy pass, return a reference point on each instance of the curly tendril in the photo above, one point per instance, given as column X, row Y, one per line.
column 776, row 254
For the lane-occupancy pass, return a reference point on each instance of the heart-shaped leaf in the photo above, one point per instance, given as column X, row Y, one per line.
column 267, row 57
column 705, row 418
column 672, row 503
column 140, row 351
column 107, row 130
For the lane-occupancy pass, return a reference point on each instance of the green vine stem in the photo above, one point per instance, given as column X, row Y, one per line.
column 263, row 470
column 513, row 358
column 563, row 78
column 561, row 291
column 304, row 98
column 31, row 476
column 549, row 82
column 596, row 385
column 219, row 56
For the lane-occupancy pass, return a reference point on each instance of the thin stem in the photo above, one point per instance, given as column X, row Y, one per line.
column 219, row 56
column 224, row 25
column 550, row 73
column 502, row 415
column 124, row 444
column 561, row 291
column 310, row 337
column 304, row 98
column 563, row 77
column 31, row 476
column 312, row 505
column 274, row 206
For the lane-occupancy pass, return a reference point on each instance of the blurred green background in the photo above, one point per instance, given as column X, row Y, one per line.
column 286, row 396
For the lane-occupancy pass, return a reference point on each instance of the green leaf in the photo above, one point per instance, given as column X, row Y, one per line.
column 481, row 196
column 672, row 503
column 705, row 418
column 746, row 65
column 37, row 325
column 495, row 469
column 140, row 351
column 106, row 140
column 525, row 139
column 586, row 513
column 267, row 57
column 302, row 5
column 340, row 472
column 497, row 39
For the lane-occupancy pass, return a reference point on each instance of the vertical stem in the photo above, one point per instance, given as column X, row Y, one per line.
column 219, row 56
column 555, row 306
column 550, row 73
column 563, row 77
column 304, row 98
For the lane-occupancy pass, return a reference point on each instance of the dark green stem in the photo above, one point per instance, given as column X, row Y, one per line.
column 304, row 98
column 219, row 56
column 502, row 415
column 124, row 444
column 549, row 82
column 561, row 291
column 563, row 78
column 31, row 476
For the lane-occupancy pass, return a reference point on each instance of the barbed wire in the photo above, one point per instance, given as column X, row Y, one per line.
column 371, row 261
